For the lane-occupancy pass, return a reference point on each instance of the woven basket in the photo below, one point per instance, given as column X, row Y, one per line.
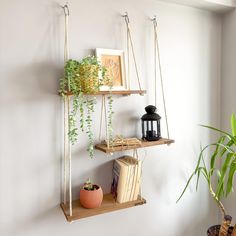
column 215, row 229
column 89, row 78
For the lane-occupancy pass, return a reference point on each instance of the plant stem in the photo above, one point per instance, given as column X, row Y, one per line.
column 217, row 201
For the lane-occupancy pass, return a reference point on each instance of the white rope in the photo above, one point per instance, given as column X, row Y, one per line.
column 66, row 112
column 155, row 64
column 66, row 43
column 65, row 148
column 130, row 41
column 101, row 118
column 128, row 60
column 160, row 71
column 66, row 52
column 67, row 143
column 69, row 164
column 105, row 115
column 136, row 156
column 135, row 153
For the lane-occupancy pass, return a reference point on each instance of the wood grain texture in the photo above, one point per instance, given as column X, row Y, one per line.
column 108, row 205
column 104, row 148
column 116, row 92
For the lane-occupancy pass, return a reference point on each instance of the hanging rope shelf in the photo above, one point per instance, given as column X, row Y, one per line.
column 126, row 144
column 72, row 209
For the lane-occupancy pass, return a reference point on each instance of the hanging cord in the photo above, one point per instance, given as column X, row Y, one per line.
column 69, row 154
column 136, row 156
column 101, row 118
column 67, row 143
column 140, row 189
column 104, row 113
column 157, row 55
column 128, row 59
column 155, row 58
column 130, row 41
column 65, row 8
column 66, row 43
column 135, row 153
column 65, row 148
column 105, row 116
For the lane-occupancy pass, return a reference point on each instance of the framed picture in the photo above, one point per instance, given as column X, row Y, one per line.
column 113, row 61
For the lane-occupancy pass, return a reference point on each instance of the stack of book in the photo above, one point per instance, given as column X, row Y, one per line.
column 126, row 179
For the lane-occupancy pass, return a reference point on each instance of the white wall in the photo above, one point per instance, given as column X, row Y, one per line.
column 228, row 84
column 31, row 63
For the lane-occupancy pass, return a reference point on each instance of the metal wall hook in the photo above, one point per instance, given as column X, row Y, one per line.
column 154, row 20
column 66, row 9
column 126, row 16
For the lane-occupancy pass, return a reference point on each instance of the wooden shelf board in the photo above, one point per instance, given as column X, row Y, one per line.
column 116, row 92
column 104, row 148
column 108, row 205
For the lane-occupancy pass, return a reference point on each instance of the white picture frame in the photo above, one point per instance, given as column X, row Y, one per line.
column 114, row 61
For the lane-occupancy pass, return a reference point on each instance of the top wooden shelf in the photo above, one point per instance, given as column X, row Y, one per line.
column 104, row 148
column 116, row 92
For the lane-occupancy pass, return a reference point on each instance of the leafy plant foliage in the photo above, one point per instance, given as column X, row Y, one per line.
column 80, row 78
column 88, row 185
column 223, row 152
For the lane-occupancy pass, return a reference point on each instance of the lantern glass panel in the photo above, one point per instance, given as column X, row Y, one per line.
column 155, row 125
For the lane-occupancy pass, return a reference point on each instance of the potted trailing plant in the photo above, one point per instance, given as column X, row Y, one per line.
column 80, row 78
column 222, row 167
column 91, row 195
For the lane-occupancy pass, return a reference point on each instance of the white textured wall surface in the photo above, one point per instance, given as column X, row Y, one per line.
column 228, row 84
column 31, row 137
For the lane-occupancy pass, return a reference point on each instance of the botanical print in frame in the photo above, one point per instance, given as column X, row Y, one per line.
column 113, row 61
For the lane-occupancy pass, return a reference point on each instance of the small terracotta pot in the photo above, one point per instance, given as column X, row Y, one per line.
column 91, row 198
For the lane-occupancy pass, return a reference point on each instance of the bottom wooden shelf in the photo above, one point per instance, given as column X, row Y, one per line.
column 108, row 205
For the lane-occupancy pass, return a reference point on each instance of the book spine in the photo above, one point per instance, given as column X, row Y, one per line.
column 127, row 185
column 134, row 182
column 115, row 180
column 121, row 187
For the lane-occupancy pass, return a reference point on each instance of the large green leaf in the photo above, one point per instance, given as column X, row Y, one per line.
column 186, row 186
column 216, row 152
column 218, row 130
column 231, row 178
column 233, row 124
column 226, row 147
column 202, row 170
column 225, row 166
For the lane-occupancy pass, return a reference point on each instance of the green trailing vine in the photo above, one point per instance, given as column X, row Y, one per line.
column 80, row 78
column 73, row 130
column 90, row 110
column 81, row 112
column 110, row 119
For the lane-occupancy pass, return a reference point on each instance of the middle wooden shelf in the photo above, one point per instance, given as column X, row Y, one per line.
column 143, row 144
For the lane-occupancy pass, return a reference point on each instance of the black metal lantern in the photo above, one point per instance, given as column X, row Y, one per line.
column 151, row 130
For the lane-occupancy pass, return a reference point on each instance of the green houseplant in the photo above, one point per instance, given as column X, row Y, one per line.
column 222, row 168
column 81, row 78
